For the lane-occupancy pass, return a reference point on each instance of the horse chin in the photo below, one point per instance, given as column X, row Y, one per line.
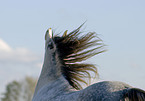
column 48, row 34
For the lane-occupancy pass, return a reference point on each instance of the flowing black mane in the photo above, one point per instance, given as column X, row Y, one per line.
column 63, row 67
column 74, row 48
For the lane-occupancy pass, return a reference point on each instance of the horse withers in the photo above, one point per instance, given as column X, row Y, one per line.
column 63, row 71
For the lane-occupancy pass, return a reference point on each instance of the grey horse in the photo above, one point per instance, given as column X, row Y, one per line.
column 63, row 71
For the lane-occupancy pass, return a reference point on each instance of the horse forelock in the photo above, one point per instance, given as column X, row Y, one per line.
column 74, row 48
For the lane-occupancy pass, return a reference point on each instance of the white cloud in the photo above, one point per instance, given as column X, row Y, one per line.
column 16, row 63
column 4, row 46
column 18, row 55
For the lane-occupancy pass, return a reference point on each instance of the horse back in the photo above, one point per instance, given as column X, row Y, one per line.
column 104, row 91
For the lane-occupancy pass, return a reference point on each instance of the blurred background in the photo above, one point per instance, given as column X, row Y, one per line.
column 119, row 23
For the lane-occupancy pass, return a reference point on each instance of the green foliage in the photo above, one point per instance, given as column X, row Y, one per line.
column 20, row 91
column 12, row 91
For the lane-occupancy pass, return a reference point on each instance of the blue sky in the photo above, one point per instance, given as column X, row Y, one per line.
column 120, row 24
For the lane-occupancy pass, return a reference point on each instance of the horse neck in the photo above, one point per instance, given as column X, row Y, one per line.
column 51, row 67
column 51, row 71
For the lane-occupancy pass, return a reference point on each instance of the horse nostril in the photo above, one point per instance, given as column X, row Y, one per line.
column 50, row 45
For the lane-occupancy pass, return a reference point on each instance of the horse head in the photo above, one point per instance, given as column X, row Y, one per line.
column 63, row 71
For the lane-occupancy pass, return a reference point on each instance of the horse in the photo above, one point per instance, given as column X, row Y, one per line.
column 64, row 71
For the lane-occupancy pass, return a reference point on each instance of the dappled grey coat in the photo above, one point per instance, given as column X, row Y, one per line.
column 63, row 71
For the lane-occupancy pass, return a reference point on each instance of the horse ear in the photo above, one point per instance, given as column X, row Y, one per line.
column 65, row 33
column 48, row 34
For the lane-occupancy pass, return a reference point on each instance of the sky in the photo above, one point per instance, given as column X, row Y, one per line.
column 119, row 23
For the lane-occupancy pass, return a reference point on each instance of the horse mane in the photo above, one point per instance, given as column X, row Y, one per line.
column 74, row 48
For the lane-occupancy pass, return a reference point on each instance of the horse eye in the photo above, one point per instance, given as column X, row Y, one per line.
column 50, row 45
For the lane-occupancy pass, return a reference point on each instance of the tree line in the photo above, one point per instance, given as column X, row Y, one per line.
column 20, row 90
